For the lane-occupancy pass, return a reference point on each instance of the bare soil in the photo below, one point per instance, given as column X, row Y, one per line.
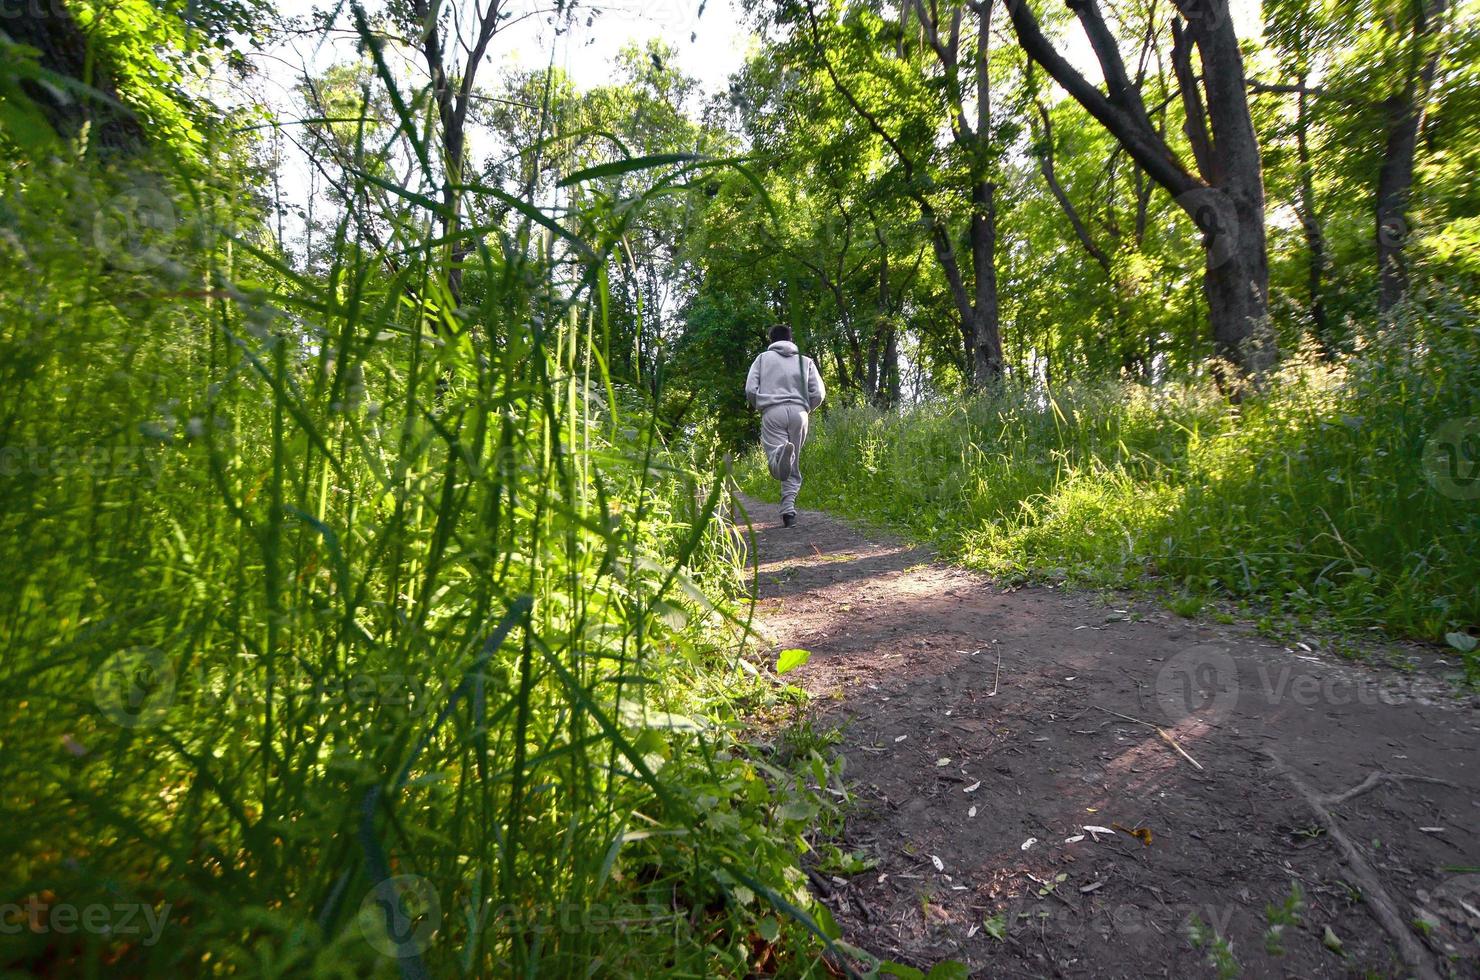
column 986, row 728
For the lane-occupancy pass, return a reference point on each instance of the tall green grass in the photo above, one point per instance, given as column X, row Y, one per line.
column 1329, row 495
column 353, row 632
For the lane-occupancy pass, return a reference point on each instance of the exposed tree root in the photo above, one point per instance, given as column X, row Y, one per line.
column 1376, row 897
column 1376, row 779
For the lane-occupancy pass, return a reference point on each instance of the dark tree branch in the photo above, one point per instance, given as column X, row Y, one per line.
column 1194, row 114
column 1045, row 165
column 1139, row 139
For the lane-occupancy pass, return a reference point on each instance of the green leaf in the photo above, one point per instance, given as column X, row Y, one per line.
column 671, row 614
column 790, row 660
column 1463, row 642
column 891, row 969
column 949, row 970
column 626, row 166
column 533, row 214
column 996, row 927
column 826, row 924
column 24, row 124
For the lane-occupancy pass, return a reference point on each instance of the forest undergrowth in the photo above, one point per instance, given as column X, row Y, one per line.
column 351, row 631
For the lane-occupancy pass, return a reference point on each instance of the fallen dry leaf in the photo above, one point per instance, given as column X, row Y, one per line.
column 1141, row 834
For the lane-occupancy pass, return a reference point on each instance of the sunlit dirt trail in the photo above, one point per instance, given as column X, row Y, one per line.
column 990, row 732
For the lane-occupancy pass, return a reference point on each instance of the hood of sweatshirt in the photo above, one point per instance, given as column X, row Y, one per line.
column 784, row 347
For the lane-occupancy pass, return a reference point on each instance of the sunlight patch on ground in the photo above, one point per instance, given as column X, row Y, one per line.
column 815, row 561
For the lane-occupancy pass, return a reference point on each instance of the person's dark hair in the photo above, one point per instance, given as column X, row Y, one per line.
column 780, row 332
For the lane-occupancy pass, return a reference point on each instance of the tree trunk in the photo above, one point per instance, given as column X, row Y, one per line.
column 1394, row 182
column 881, row 321
column 986, row 331
column 1226, row 198
column 871, row 376
column 1310, row 222
column 1236, row 280
column 1237, row 305
column 1405, row 114
column 889, row 379
column 977, row 306
column 50, row 28
column 1050, row 176
column 844, row 381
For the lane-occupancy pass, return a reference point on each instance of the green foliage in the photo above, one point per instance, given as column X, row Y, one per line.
column 944, row 970
column 379, row 571
column 1318, row 496
column 21, row 123
column 996, row 926
column 789, row 660
column 1219, row 949
column 1282, row 916
column 333, row 601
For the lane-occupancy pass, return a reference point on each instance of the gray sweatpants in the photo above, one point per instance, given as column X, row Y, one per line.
column 783, row 433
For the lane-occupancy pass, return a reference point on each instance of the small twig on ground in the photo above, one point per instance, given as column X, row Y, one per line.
column 1376, row 897
column 1376, row 779
column 1160, row 731
column 1140, row 688
column 998, row 676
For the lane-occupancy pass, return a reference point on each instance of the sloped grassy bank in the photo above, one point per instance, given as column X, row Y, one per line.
column 1350, row 493
column 346, row 635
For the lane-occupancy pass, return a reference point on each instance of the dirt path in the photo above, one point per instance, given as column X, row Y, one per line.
column 971, row 801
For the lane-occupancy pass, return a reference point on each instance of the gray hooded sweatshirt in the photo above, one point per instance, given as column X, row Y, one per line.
column 776, row 379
